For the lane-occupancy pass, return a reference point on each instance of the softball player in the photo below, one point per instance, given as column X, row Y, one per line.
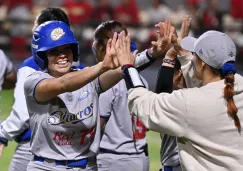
column 174, row 80
column 123, row 145
column 63, row 103
column 16, row 126
column 207, row 138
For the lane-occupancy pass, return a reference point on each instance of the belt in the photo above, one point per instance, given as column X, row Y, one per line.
column 145, row 151
column 168, row 168
column 68, row 163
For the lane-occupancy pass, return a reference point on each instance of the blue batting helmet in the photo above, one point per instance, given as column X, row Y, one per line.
column 50, row 35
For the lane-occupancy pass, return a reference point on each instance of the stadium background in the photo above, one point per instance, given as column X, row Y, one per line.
column 17, row 16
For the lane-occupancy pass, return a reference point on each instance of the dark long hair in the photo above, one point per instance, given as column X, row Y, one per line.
column 106, row 30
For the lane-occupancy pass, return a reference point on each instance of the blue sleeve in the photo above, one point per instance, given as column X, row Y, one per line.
column 30, row 62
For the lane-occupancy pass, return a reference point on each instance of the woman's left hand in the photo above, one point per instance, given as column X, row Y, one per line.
column 124, row 54
column 110, row 61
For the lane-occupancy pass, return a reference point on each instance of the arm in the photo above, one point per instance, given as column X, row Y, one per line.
column 164, row 81
column 10, row 80
column 50, row 88
column 10, row 77
column 184, row 56
column 163, row 112
column 106, row 100
column 47, row 89
column 17, row 121
column 166, row 73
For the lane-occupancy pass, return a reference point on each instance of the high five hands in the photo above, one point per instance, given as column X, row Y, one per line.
column 118, row 51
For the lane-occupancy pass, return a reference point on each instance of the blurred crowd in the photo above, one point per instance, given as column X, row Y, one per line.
column 17, row 16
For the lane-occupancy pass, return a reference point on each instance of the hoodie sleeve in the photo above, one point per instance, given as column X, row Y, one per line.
column 165, row 113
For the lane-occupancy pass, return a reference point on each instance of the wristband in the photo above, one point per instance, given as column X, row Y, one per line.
column 143, row 58
column 125, row 66
column 169, row 61
column 131, row 77
column 3, row 141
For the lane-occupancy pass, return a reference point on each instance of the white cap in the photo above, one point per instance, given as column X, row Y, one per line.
column 213, row 47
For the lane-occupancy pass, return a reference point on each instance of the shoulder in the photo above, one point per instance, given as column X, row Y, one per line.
column 38, row 75
column 30, row 62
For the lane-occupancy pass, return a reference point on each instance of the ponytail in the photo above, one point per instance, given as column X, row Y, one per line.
column 228, row 71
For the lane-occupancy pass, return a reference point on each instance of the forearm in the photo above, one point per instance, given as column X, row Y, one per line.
column 10, row 80
column 110, row 78
column 164, row 79
column 50, row 88
column 75, row 80
column 158, row 112
column 13, row 126
column 143, row 60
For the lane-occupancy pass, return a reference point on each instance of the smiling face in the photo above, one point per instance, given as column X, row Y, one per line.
column 59, row 60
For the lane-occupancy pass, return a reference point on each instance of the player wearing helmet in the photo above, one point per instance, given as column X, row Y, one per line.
column 63, row 103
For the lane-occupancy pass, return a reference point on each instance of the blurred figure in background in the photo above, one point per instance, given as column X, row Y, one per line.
column 103, row 11
column 211, row 17
column 7, row 73
column 79, row 11
column 127, row 12
column 158, row 11
column 19, row 14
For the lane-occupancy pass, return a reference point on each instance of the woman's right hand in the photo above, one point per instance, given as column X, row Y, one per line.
column 124, row 54
column 176, row 40
column 163, row 43
column 1, row 149
column 110, row 60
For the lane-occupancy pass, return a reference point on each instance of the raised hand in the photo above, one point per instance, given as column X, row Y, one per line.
column 110, row 60
column 165, row 31
column 124, row 54
column 176, row 40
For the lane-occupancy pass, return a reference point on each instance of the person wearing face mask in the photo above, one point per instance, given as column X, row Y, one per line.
column 206, row 120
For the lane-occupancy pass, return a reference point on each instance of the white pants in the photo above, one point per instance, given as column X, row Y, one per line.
column 51, row 166
column 21, row 158
column 116, row 162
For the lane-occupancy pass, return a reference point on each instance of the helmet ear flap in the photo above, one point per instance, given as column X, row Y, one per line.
column 44, row 61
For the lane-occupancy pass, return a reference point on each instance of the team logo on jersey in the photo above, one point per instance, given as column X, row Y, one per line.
column 83, row 96
column 57, row 33
column 64, row 117
column 34, row 46
column 63, row 138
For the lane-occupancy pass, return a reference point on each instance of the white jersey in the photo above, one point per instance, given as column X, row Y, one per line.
column 6, row 67
column 17, row 121
column 65, row 127
column 123, row 134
